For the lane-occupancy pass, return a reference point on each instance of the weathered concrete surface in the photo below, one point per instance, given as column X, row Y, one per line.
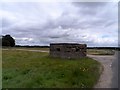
column 109, row 76
column 68, row 50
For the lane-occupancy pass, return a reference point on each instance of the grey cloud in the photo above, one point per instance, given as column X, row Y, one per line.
column 110, row 22
column 89, row 4
column 65, row 22
column 89, row 8
column 79, row 25
column 5, row 22
column 63, row 35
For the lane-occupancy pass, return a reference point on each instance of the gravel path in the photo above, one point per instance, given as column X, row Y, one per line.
column 106, row 78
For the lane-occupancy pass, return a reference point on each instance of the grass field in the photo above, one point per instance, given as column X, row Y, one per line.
column 89, row 51
column 100, row 52
column 23, row 69
column 31, row 48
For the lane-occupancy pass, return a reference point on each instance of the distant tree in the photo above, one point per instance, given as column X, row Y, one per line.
column 7, row 40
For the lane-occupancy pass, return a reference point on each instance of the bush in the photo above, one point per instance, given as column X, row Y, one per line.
column 7, row 40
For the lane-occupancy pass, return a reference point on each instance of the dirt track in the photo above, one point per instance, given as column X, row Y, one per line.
column 105, row 80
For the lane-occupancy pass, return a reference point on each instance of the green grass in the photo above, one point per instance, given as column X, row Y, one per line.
column 89, row 51
column 39, row 70
column 30, row 48
column 100, row 52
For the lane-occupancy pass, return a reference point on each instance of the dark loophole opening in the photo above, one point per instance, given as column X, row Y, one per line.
column 77, row 49
column 58, row 49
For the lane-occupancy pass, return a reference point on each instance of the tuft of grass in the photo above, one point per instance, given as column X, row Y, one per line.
column 22, row 69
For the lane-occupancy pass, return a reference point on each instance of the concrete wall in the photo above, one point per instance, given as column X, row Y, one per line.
column 68, row 50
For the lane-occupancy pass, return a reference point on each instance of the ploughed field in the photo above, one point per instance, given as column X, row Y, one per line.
column 25, row 69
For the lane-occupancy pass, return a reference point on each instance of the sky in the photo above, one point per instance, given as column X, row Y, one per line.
column 42, row 23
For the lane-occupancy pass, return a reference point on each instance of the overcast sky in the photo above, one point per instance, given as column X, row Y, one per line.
column 41, row 23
